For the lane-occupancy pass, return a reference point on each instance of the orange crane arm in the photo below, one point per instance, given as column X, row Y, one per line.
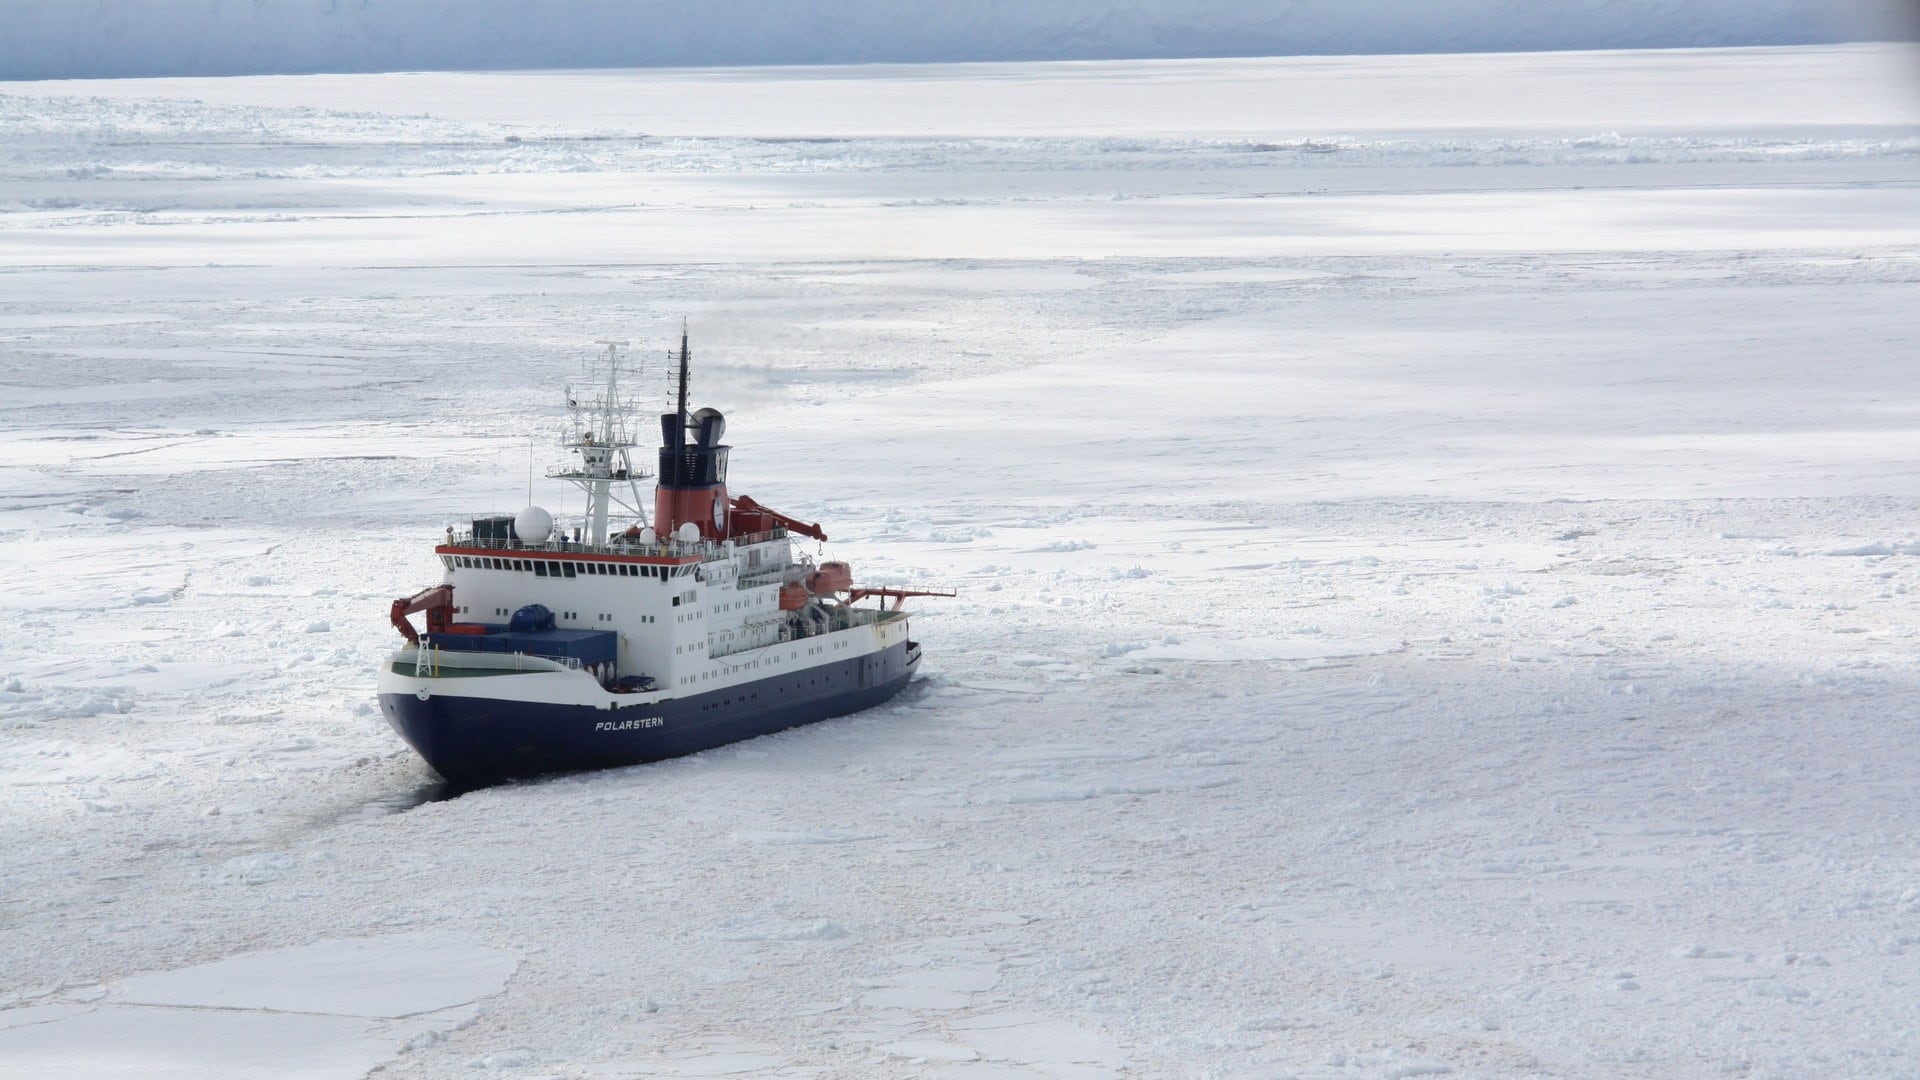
column 437, row 602
column 899, row 595
column 742, row 502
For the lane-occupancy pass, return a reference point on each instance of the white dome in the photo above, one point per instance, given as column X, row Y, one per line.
column 533, row 525
column 688, row 532
column 648, row 536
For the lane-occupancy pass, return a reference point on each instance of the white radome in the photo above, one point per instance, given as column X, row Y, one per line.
column 688, row 532
column 533, row 525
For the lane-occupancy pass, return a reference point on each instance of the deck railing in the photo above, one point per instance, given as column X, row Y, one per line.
column 775, row 576
column 705, row 550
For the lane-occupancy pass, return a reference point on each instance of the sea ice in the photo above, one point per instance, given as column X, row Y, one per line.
column 1441, row 341
column 329, row 1009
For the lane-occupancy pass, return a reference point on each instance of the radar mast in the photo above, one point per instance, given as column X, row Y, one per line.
column 597, row 431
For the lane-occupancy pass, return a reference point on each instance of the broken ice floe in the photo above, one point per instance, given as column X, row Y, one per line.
column 331, row 1009
column 1221, row 650
column 816, row 836
column 763, row 927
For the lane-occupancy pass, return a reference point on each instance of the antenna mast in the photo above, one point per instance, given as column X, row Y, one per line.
column 604, row 448
column 680, row 428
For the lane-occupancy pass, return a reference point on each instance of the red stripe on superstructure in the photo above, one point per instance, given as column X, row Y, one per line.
column 566, row 556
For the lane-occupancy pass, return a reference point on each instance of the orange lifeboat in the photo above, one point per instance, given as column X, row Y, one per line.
column 832, row 577
column 793, row 597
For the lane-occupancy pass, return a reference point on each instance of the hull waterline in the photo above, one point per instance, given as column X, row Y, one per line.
column 473, row 740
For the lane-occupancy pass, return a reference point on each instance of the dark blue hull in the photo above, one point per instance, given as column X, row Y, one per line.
column 476, row 740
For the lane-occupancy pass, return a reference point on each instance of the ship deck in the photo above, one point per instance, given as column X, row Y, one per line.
column 619, row 545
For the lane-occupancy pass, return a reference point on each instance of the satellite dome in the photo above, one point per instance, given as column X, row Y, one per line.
column 533, row 525
column 709, row 427
column 688, row 532
column 648, row 536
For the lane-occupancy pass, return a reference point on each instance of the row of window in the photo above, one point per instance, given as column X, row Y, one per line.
column 756, row 697
column 823, row 676
column 769, row 661
column 729, row 701
column 826, row 677
column 553, row 568
column 563, row 616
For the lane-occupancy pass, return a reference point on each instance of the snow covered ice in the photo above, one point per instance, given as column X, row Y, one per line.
column 1435, row 538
